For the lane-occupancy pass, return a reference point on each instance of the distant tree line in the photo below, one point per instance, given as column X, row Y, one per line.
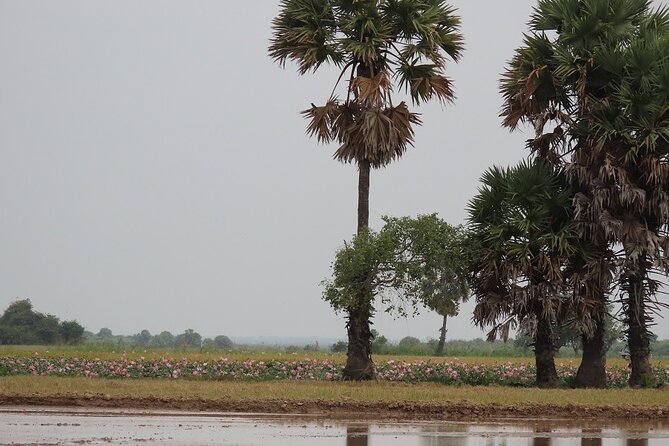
column 520, row 346
column 188, row 339
column 20, row 324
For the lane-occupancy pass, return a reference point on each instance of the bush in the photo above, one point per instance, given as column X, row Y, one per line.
column 339, row 347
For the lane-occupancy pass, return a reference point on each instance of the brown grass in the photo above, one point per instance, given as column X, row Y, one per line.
column 328, row 391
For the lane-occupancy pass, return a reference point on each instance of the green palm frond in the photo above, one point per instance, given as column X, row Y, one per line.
column 305, row 31
column 522, row 220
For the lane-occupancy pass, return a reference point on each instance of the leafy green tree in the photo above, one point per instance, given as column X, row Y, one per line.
column 20, row 324
column 71, row 332
column 379, row 342
column 434, row 253
column 380, row 46
column 522, row 237
column 188, row 339
column 164, row 339
column 223, row 342
column 339, row 347
column 142, row 339
column 409, row 343
column 104, row 334
column 597, row 71
column 409, row 264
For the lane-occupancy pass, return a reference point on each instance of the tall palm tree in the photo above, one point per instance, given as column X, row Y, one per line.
column 569, row 72
column 523, row 236
column 632, row 131
column 380, row 46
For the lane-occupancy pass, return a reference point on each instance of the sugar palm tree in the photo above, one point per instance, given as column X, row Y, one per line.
column 632, row 131
column 380, row 46
column 523, row 237
column 570, row 72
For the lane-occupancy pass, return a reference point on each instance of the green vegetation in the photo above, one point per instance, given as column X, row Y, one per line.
column 21, row 325
column 189, row 339
column 413, row 261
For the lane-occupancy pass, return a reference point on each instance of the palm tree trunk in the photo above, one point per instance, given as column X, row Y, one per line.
column 638, row 336
column 544, row 352
column 359, row 365
column 442, row 338
column 363, row 195
column 592, row 370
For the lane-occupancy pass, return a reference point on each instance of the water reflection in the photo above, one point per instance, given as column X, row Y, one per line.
column 357, row 435
column 194, row 429
column 591, row 437
column 541, row 436
column 445, row 435
column 637, row 442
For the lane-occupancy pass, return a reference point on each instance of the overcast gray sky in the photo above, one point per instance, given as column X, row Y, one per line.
column 155, row 172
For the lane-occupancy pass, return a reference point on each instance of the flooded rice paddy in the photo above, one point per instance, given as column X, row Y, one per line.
column 55, row 427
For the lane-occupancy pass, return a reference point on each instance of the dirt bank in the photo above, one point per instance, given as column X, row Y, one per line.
column 346, row 408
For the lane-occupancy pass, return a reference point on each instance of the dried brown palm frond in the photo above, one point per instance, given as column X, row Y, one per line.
column 321, row 120
column 377, row 136
column 372, row 91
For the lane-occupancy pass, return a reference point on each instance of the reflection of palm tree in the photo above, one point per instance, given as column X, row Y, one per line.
column 591, row 441
column 542, row 436
column 460, row 430
column 357, row 435
column 637, row 442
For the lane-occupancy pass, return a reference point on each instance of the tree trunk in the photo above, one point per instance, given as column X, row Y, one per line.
column 363, row 195
column 359, row 365
column 442, row 338
column 638, row 336
column 592, row 371
column 544, row 353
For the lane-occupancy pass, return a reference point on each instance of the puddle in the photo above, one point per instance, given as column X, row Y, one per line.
column 27, row 426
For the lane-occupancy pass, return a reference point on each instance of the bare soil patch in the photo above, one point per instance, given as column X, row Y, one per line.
column 345, row 408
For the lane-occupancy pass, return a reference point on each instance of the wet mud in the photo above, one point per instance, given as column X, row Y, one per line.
column 346, row 409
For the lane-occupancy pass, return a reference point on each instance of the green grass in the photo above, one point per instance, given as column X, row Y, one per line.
column 329, row 391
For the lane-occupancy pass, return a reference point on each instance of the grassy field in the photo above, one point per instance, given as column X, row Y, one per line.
column 320, row 390
column 328, row 391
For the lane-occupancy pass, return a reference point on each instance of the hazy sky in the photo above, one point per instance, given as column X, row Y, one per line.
column 155, row 172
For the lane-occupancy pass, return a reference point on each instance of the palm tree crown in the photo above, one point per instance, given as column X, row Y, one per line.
column 378, row 43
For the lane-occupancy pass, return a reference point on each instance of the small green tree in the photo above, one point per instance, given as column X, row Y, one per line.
column 339, row 347
column 164, row 339
column 409, row 343
column 379, row 342
column 411, row 263
column 104, row 334
column 142, row 338
column 71, row 332
column 188, row 339
column 223, row 342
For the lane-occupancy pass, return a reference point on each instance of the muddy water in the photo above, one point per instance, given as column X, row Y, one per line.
column 24, row 426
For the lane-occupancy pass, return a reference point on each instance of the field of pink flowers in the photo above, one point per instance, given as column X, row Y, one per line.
column 453, row 373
